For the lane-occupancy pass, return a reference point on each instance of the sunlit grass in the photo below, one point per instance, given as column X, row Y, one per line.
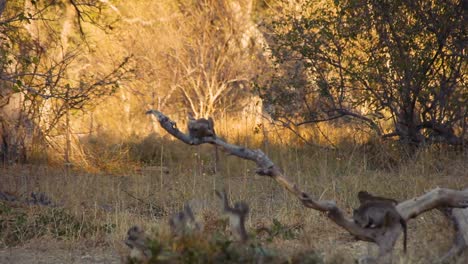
column 153, row 178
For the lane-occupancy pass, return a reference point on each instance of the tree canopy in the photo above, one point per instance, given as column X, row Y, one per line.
column 397, row 66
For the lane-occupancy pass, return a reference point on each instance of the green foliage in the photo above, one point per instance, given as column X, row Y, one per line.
column 217, row 248
column 286, row 232
column 19, row 223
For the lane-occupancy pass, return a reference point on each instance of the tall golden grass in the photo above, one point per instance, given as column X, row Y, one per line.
column 144, row 179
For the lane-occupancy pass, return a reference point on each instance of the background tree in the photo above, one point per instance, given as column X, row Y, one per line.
column 397, row 66
column 194, row 56
column 46, row 68
column 214, row 58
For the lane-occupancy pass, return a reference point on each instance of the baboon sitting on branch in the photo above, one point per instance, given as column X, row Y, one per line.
column 203, row 128
column 200, row 128
column 378, row 212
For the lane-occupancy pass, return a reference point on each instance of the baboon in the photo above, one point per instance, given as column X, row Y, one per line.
column 364, row 196
column 200, row 128
column 183, row 222
column 378, row 212
column 237, row 215
column 137, row 241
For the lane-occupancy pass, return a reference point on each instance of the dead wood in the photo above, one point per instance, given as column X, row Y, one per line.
column 459, row 219
column 385, row 238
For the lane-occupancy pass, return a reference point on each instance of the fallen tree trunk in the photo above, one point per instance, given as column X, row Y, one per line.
column 385, row 238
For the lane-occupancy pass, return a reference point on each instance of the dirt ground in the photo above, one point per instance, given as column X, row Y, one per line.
column 56, row 256
column 50, row 252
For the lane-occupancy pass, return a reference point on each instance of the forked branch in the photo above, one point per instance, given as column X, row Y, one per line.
column 385, row 238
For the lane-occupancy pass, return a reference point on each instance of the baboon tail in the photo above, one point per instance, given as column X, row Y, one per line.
column 216, row 159
column 405, row 235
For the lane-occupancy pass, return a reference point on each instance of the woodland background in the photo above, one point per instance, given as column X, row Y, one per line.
column 343, row 95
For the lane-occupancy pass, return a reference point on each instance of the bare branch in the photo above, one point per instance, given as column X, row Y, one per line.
column 438, row 197
column 384, row 237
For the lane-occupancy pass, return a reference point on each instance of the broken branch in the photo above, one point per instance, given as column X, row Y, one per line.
column 385, row 238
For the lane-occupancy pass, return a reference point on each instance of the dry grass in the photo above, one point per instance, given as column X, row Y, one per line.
column 143, row 180
column 146, row 195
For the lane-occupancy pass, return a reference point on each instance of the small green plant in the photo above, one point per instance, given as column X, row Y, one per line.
column 109, row 227
column 286, row 232
column 217, row 248
column 308, row 257
column 22, row 223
